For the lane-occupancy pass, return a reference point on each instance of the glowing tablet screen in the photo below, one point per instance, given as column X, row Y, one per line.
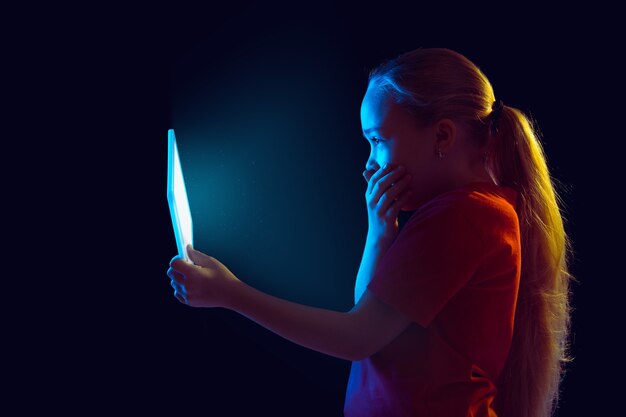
column 177, row 198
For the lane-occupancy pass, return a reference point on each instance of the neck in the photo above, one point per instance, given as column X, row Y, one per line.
column 477, row 173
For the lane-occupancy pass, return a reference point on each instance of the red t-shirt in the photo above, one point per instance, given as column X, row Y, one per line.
column 454, row 269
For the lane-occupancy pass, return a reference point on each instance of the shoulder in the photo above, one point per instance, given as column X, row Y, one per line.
column 485, row 209
column 492, row 206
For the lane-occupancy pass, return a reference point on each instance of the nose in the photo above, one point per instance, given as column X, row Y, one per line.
column 372, row 167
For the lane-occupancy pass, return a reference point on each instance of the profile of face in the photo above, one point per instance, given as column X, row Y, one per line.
column 395, row 138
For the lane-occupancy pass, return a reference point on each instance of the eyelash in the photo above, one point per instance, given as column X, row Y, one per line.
column 376, row 139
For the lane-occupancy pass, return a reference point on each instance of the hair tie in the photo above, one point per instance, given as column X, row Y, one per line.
column 496, row 110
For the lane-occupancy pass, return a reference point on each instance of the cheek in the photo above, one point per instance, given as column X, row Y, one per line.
column 382, row 155
column 417, row 169
column 421, row 176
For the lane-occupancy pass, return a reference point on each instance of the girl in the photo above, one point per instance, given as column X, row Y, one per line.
column 465, row 311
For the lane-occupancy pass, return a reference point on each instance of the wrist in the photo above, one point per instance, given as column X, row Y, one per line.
column 377, row 243
column 234, row 294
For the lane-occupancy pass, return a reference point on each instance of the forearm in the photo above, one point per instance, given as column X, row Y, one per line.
column 372, row 255
column 326, row 331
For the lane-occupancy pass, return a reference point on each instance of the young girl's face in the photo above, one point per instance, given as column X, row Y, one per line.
column 395, row 138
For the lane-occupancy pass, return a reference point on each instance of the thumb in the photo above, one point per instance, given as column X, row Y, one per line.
column 198, row 257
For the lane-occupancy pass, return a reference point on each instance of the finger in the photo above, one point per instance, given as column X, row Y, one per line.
column 179, row 288
column 387, row 185
column 397, row 205
column 175, row 258
column 198, row 257
column 175, row 276
column 392, row 178
column 181, row 265
column 367, row 174
column 399, row 187
column 180, row 297
column 392, row 193
column 376, row 175
column 385, row 169
column 170, row 273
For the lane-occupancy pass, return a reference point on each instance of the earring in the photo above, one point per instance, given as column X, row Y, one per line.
column 439, row 153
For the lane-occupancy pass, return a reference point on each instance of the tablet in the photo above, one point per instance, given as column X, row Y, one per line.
column 177, row 198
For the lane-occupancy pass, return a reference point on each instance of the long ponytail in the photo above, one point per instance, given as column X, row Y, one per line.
column 529, row 383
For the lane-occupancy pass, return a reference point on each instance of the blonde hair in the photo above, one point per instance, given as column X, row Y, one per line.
column 435, row 83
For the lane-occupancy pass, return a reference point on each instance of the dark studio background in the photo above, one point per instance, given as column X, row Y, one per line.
column 265, row 101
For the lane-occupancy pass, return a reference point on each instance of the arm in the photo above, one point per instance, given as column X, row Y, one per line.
column 326, row 331
column 372, row 255
column 352, row 335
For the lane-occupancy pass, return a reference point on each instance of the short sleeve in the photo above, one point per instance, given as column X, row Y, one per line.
column 433, row 257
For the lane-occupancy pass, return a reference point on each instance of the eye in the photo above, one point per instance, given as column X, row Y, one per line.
column 376, row 140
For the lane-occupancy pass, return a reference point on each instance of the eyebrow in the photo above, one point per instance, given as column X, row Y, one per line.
column 371, row 129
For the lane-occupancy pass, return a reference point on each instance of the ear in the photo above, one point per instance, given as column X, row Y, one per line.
column 445, row 134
